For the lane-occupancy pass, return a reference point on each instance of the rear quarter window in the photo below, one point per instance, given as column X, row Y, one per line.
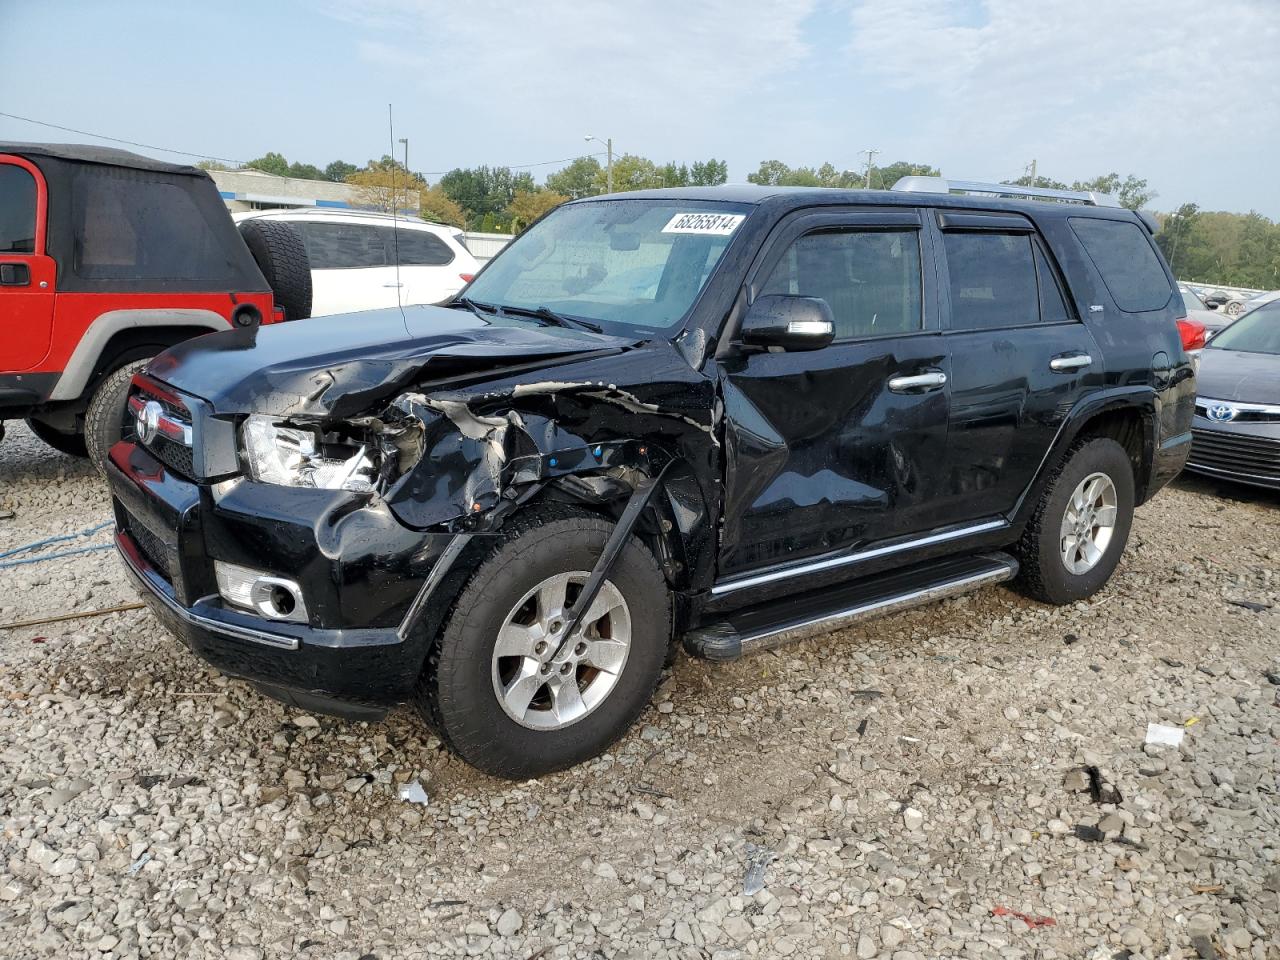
column 1124, row 256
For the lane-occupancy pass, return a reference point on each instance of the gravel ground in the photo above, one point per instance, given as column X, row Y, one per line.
column 965, row 780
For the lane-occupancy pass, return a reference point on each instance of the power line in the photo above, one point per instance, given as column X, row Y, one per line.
column 245, row 163
column 131, row 143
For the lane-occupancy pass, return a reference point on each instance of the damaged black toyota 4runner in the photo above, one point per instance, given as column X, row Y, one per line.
column 728, row 417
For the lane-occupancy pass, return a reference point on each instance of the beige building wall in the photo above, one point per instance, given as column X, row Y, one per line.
column 255, row 190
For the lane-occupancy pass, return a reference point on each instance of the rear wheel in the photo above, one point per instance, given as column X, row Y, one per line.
column 1077, row 535
column 71, row 444
column 505, row 690
column 106, row 421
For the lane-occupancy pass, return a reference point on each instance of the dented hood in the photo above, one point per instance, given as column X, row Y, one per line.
column 338, row 366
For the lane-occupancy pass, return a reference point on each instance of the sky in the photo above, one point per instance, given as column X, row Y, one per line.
column 1181, row 92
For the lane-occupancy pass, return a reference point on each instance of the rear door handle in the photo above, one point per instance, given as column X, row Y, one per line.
column 1075, row 361
column 393, row 284
column 918, row 383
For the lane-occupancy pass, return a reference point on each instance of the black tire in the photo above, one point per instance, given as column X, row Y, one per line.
column 71, row 444
column 456, row 692
column 282, row 257
column 106, row 420
column 1044, row 575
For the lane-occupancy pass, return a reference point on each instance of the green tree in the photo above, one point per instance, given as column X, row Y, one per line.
column 339, row 170
column 885, row 177
column 305, row 171
column 711, row 173
column 273, row 163
column 1175, row 232
column 434, row 205
column 577, row 180
column 212, row 165
column 528, row 206
column 673, row 175
column 386, row 185
column 485, row 191
column 1132, row 191
column 630, row 172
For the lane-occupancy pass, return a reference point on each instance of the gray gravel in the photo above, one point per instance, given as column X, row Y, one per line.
column 967, row 780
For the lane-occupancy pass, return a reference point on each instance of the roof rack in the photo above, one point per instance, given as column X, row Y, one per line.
column 943, row 185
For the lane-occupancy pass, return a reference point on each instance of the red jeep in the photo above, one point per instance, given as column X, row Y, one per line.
column 108, row 258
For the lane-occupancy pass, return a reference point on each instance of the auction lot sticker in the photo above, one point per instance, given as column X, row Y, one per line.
column 713, row 224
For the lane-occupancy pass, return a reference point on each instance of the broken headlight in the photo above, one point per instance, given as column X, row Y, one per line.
column 296, row 456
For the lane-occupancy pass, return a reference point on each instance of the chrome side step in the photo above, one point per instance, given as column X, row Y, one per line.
column 807, row 615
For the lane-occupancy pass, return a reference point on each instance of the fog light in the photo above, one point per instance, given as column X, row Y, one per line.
column 272, row 597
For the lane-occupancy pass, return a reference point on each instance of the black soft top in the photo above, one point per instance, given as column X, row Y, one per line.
column 122, row 223
column 87, row 153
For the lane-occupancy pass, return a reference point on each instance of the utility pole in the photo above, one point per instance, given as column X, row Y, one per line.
column 1032, row 168
column 608, row 169
column 405, row 141
column 871, row 155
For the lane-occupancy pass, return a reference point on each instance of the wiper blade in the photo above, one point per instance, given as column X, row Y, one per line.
column 476, row 307
column 555, row 319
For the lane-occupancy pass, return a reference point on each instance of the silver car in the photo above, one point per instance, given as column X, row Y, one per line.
column 1236, row 430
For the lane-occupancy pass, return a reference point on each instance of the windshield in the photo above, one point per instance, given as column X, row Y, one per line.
column 634, row 267
column 1190, row 301
column 1256, row 332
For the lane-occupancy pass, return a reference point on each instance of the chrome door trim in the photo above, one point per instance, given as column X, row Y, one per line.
column 832, row 563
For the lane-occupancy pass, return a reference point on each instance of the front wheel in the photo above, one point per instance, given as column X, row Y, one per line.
column 503, row 687
column 1076, row 536
column 107, row 420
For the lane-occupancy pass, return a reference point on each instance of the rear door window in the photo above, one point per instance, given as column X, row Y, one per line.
column 417, row 248
column 17, row 210
column 993, row 280
column 1124, row 256
column 1053, row 305
column 343, row 246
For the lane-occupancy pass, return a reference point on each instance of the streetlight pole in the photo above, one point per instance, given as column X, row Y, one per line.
column 608, row 170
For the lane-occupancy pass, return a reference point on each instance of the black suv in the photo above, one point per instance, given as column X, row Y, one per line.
column 728, row 417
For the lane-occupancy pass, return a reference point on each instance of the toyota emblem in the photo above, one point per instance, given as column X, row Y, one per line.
column 1222, row 412
column 147, row 421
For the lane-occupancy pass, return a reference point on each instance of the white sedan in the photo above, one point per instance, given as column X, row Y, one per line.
column 353, row 258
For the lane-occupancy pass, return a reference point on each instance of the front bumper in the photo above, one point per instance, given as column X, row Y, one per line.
column 362, row 578
column 1244, row 451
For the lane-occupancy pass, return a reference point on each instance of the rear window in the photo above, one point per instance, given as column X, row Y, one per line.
column 17, row 210
column 139, row 225
column 1123, row 254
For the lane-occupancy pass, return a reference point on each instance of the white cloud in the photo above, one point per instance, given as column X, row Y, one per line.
column 1115, row 68
column 638, row 62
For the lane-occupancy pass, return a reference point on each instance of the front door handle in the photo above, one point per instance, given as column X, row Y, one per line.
column 1076, row 361
column 15, row 275
column 918, row 383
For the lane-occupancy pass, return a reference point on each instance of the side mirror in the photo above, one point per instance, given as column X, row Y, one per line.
column 792, row 323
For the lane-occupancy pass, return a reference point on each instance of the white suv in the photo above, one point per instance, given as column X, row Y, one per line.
column 353, row 258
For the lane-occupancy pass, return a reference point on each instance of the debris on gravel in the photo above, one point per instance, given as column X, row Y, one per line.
column 966, row 780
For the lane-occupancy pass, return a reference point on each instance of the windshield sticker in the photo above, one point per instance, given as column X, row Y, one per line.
column 711, row 224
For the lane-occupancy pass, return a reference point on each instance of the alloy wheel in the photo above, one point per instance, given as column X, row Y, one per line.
column 543, row 689
column 1088, row 523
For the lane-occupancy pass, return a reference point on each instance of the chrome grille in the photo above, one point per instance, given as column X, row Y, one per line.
column 170, row 434
column 1236, row 453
